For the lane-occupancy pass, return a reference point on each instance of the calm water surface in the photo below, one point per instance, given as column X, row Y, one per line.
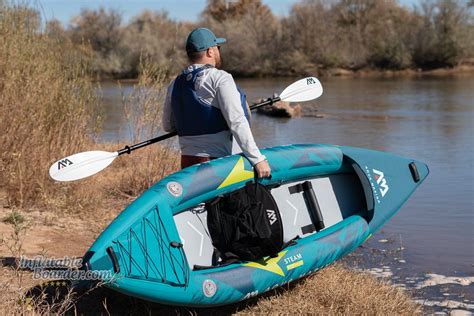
column 429, row 119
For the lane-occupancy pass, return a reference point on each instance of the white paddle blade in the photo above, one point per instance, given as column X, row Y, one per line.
column 81, row 165
column 302, row 90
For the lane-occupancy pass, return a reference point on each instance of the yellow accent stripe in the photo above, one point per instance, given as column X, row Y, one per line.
column 237, row 174
column 270, row 265
column 294, row 265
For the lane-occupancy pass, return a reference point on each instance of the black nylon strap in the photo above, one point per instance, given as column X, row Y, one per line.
column 296, row 188
column 308, row 229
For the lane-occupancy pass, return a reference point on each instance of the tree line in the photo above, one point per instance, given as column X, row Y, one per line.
column 314, row 37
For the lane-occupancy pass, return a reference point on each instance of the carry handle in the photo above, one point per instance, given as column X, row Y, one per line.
column 256, row 179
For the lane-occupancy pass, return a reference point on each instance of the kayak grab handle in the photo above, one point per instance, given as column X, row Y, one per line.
column 414, row 172
column 113, row 257
column 85, row 261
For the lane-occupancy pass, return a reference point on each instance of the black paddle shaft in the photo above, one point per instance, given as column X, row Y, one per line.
column 128, row 149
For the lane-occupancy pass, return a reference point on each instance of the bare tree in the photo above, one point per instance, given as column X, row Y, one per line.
column 102, row 31
column 252, row 32
column 157, row 38
column 446, row 36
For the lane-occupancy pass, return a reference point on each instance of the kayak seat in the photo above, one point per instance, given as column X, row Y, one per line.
column 245, row 224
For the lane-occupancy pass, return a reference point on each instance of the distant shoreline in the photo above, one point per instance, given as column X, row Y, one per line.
column 464, row 69
column 461, row 70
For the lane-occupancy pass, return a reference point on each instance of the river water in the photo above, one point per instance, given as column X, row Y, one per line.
column 428, row 119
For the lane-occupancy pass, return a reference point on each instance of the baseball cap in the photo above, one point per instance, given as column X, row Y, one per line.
column 201, row 39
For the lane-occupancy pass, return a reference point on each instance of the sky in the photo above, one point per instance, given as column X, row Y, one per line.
column 64, row 10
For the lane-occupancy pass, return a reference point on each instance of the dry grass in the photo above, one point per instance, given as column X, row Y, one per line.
column 143, row 108
column 15, row 283
column 47, row 106
column 49, row 110
column 131, row 175
column 337, row 290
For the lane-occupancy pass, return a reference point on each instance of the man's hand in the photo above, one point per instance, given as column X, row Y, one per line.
column 263, row 169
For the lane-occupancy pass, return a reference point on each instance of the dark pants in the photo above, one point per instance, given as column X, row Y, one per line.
column 187, row 161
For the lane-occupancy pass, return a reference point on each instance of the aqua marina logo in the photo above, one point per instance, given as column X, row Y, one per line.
column 271, row 216
column 64, row 163
column 381, row 181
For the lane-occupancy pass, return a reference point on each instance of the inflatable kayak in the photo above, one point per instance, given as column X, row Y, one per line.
column 329, row 200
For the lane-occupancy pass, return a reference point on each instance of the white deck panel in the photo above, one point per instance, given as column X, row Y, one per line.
column 338, row 196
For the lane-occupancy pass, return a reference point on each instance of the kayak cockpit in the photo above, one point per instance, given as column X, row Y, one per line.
column 305, row 206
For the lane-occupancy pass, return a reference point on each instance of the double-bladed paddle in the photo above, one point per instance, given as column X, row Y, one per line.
column 88, row 163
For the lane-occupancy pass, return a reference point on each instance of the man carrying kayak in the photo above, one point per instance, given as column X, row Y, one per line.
column 205, row 107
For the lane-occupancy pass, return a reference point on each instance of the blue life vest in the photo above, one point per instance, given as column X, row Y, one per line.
column 191, row 115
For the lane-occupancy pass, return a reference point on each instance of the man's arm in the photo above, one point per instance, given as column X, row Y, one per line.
column 228, row 99
column 167, row 121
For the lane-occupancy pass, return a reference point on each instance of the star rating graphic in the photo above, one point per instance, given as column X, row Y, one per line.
column 54, row 283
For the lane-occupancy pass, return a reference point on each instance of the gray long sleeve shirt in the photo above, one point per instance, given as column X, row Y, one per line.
column 216, row 88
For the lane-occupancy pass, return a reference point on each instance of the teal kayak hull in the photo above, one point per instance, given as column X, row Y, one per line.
column 142, row 253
